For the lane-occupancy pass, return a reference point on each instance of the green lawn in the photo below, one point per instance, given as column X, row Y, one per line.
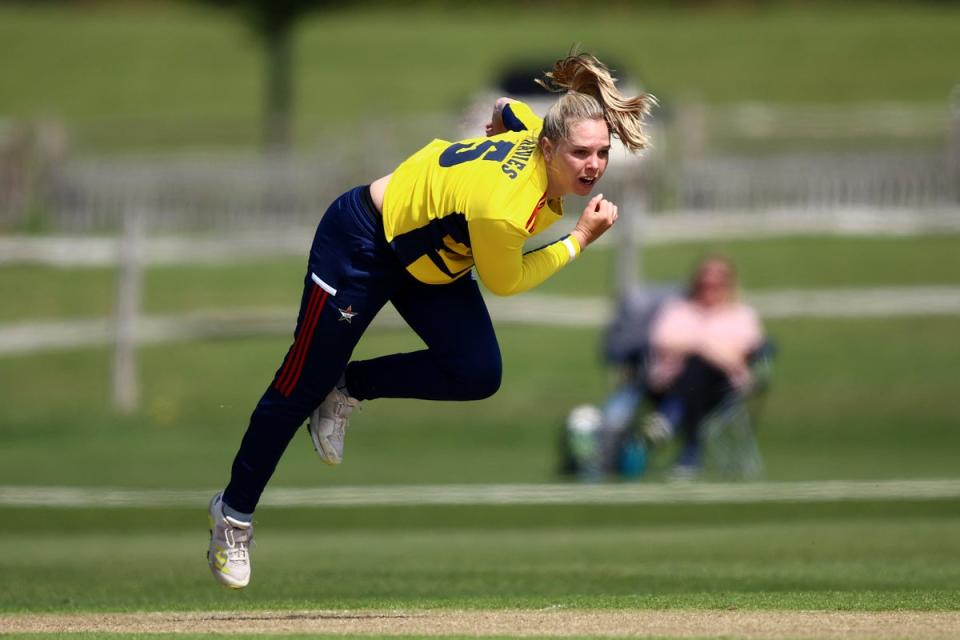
column 857, row 399
column 804, row 262
column 167, row 74
column 854, row 556
column 852, row 399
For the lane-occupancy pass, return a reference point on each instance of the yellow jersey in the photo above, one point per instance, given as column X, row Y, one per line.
column 451, row 206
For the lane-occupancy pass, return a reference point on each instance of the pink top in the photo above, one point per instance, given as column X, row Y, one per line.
column 725, row 335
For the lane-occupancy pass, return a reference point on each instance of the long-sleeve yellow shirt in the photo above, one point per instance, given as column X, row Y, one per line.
column 451, row 206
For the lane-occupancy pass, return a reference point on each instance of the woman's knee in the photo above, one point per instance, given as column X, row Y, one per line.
column 489, row 378
column 480, row 378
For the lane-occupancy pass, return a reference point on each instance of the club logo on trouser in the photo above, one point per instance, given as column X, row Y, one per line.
column 346, row 315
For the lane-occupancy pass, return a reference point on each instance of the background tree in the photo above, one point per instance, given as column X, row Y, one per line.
column 274, row 21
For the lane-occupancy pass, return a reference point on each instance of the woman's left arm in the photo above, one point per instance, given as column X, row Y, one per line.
column 511, row 115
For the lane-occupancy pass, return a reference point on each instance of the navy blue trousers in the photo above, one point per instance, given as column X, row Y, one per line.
column 352, row 273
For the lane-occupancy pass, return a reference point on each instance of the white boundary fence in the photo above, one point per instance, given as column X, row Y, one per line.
column 187, row 195
column 746, row 157
column 563, row 311
column 646, row 229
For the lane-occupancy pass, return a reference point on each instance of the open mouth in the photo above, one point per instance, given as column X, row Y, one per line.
column 587, row 180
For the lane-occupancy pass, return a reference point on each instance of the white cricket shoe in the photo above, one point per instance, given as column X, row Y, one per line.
column 328, row 423
column 229, row 553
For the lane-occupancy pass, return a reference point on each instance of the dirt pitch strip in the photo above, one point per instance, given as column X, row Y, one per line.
column 820, row 625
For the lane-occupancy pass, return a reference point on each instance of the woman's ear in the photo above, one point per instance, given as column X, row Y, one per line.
column 546, row 147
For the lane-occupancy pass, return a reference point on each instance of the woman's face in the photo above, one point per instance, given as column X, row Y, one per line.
column 714, row 284
column 576, row 163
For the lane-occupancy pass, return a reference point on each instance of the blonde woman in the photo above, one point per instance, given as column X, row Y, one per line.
column 413, row 238
column 701, row 346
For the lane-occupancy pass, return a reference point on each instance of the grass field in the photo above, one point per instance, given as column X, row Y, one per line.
column 189, row 76
column 853, row 399
column 859, row 556
column 859, row 399
column 382, row 572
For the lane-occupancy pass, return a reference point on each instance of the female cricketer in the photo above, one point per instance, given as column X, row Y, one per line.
column 413, row 238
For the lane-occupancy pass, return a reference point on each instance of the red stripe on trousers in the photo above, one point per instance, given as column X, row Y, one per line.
column 294, row 367
column 303, row 345
column 286, row 372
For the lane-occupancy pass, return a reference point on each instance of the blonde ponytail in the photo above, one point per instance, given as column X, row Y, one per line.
column 592, row 94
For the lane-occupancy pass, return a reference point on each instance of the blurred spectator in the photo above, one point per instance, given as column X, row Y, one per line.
column 700, row 352
column 690, row 358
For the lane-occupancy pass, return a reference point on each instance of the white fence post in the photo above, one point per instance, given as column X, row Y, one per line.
column 126, row 392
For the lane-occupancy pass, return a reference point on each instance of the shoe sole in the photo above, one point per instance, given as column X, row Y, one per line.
column 326, row 456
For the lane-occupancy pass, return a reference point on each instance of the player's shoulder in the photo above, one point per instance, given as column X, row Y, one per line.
column 516, row 202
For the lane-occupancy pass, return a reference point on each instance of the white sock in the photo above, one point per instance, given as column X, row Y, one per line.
column 239, row 516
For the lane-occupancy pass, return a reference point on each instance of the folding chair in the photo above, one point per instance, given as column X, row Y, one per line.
column 598, row 442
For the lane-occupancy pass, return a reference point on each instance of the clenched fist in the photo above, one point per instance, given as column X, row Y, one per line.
column 598, row 216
